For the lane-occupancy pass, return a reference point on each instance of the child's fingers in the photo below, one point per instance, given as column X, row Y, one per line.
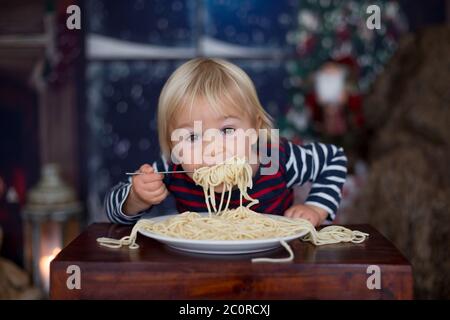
column 151, row 196
column 299, row 214
column 146, row 168
column 161, row 197
column 308, row 216
column 150, row 177
column 150, row 187
column 157, row 192
column 141, row 180
column 293, row 212
column 288, row 213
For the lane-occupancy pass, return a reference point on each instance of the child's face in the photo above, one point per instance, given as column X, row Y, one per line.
column 212, row 136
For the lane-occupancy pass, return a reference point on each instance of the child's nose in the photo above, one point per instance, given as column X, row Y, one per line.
column 213, row 154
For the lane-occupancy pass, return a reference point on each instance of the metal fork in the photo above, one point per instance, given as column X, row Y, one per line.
column 139, row 173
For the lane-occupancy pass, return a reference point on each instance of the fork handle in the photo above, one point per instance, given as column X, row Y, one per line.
column 139, row 173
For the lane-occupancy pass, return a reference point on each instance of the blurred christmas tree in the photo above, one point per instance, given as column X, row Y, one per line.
column 330, row 30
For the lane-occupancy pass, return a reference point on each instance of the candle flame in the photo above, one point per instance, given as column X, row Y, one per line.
column 44, row 267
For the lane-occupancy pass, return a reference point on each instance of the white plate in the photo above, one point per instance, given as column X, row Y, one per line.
column 219, row 246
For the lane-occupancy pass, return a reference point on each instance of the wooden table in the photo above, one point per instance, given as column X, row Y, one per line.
column 155, row 271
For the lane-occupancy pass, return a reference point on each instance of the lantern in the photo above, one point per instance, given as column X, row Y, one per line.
column 51, row 206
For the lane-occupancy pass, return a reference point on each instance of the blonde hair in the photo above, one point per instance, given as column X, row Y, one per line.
column 220, row 82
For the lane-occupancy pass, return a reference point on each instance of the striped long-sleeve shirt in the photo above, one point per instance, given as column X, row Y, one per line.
column 323, row 165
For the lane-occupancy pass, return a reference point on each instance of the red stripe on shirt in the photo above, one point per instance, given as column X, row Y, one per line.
column 259, row 193
column 192, row 203
column 276, row 203
column 183, row 176
column 267, row 190
column 185, row 190
column 269, row 176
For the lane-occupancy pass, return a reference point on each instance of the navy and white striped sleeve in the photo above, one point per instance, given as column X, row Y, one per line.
column 116, row 197
column 324, row 165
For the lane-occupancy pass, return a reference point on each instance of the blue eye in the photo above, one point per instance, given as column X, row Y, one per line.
column 228, row 131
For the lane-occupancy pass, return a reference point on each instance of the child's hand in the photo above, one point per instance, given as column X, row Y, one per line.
column 314, row 214
column 146, row 190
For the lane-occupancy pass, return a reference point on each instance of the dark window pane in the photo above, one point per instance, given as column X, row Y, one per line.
column 158, row 22
column 251, row 23
column 122, row 100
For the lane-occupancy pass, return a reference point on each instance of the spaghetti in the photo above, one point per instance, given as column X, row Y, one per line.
column 233, row 172
column 241, row 223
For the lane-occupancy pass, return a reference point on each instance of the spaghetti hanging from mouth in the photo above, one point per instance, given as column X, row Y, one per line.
column 233, row 172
